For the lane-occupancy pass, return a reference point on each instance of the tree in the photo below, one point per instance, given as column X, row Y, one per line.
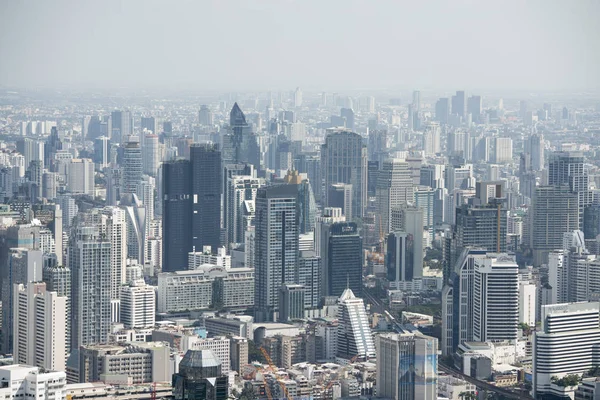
column 567, row 380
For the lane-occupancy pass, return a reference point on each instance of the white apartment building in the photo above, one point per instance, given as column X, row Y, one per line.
column 23, row 381
column 138, row 305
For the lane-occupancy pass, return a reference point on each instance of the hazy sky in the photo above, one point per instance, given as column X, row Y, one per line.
column 320, row 44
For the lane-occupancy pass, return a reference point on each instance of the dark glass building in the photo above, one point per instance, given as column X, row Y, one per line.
column 240, row 144
column 177, row 221
column 343, row 265
column 206, row 196
column 200, row 377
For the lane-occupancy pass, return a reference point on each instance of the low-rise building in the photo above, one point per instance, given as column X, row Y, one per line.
column 23, row 381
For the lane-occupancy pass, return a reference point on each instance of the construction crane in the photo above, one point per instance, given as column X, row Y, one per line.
column 281, row 383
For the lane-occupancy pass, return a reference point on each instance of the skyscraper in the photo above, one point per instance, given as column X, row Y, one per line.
column 407, row 366
column 534, row 145
column 348, row 115
column 442, row 110
column 177, row 223
column 121, row 126
column 354, row 336
column 567, row 343
column 240, row 143
column 102, row 152
column 394, row 189
column 151, row 154
column 555, row 211
column 344, row 160
column 276, row 251
column 496, row 299
column 150, row 124
column 132, row 167
column 205, row 116
column 90, row 263
column 138, row 305
column 400, row 258
column 342, row 259
column 459, row 104
column 40, row 320
column 240, row 205
column 474, row 107
column 207, row 178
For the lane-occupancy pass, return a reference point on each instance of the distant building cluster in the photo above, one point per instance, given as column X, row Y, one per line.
column 313, row 246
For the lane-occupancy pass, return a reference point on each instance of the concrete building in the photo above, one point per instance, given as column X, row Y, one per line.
column 394, row 189
column 40, row 327
column 80, row 172
column 354, row 336
column 406, row 366
column 32, row 382
column 200, row 377
column 138, row 305
column 567, row 343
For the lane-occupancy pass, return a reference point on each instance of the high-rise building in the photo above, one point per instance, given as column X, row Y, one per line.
column 205, row 116
column 80, row 176
column 298, row 97
column 555, row 212
column 23, row 381
column 442, row 110
column 177, row 224
column 151, row 156
column 137, row 229
column 502, row 150
column 535, row 146
column 401, row 260
column 339, row 195
column 482, row 226
column 342, row 259
column 474, row 107
column 354, row 336
column 394, row 189
column 567, row 343
column 150, row 124
column 344, row 160
column 239, row 208
column 431, row 139
column 58, row 279
column 39, row 330
column 291, row 302
column 200, row 377
column 132, row 167
column 276, row 246
column 121, row 125
column 102, row 152
column 309, row 275
column 240, row 144
column 90, row 263
column 407, row 366
column 207, row 178
column 348, row 115
column 496, row 299
column 459, row 104
column 138, row 305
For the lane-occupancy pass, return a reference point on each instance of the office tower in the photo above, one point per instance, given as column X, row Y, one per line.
column 307, row 207
column 496, row 299
column 567, row 343
column 416, row 100
column 102, row 152
column 177, row 224
column 407, row 366
column 121, row 125
column 555, row 211
column 51, row 147
column 431, row 139
column 432, row 175
column 322, row 223
column 138, row 305
column 238, row 353
column 205, row 116
column 240, row 143
column 409, row 219
column 527, row 303
column 394, row 189
column 567, row 168
column 344, row 160
column 132, row 167
column 206, row 195
column 23, row 265
column 31, row 149
column 442, row 110
column 591, row 221
column 200, row 377
column 291, row 302
column 424, row 199
column 459, row 104
column 58, row 279
column 90, row 263
column 354, row 336
column 342, row 259
column 151, row 156
column 339, row 195
column 458, row 144
column 535, row 146
column 482, row 226
column 150, row 125
column 401, row 260
column 309, row 276
column 80, row 174
column 298, row 97
column 276, row 246
column 137, row 230
column 502, row 150
column 474, row 107
column 523, row 108
column 348, row 115
column 39, row 331
column 378, row 145
column 239, row 210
